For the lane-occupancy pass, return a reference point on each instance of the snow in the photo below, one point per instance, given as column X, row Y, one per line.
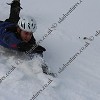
column 80, row 80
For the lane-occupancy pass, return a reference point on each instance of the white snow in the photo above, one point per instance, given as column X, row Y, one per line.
column 80, row 80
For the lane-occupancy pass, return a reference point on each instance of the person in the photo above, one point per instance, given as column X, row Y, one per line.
column 18, row 33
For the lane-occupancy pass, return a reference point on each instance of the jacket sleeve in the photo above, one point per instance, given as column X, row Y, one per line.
column 23, row 47
column 8, row 38
column 14, row 12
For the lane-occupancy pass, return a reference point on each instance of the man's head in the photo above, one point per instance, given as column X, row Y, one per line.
column 27, row 26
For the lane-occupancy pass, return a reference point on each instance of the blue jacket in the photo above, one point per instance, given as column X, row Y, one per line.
column 7, row 38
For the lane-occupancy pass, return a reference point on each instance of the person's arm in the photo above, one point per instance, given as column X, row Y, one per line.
column 8, row 38
column 23, row 47
column 28, row 46
column 14, row 12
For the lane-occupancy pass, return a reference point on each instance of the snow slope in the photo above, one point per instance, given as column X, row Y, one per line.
column 81, row 78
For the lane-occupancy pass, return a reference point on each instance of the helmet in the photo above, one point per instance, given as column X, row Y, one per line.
column 27, row 24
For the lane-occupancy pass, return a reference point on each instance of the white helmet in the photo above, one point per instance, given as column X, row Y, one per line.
column 27, row 24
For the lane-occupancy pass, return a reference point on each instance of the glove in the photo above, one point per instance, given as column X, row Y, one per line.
column 39, row 49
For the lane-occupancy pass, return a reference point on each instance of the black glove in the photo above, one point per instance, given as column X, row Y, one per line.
column 39, row 49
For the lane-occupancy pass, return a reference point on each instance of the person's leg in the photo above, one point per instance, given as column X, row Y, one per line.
column 14, row 11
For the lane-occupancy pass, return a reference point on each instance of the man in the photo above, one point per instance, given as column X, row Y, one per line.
column 17, row 33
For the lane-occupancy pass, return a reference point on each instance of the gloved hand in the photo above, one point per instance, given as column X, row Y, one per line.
column 39, row 49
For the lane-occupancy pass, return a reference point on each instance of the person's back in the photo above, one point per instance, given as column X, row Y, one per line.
column 17, row 33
